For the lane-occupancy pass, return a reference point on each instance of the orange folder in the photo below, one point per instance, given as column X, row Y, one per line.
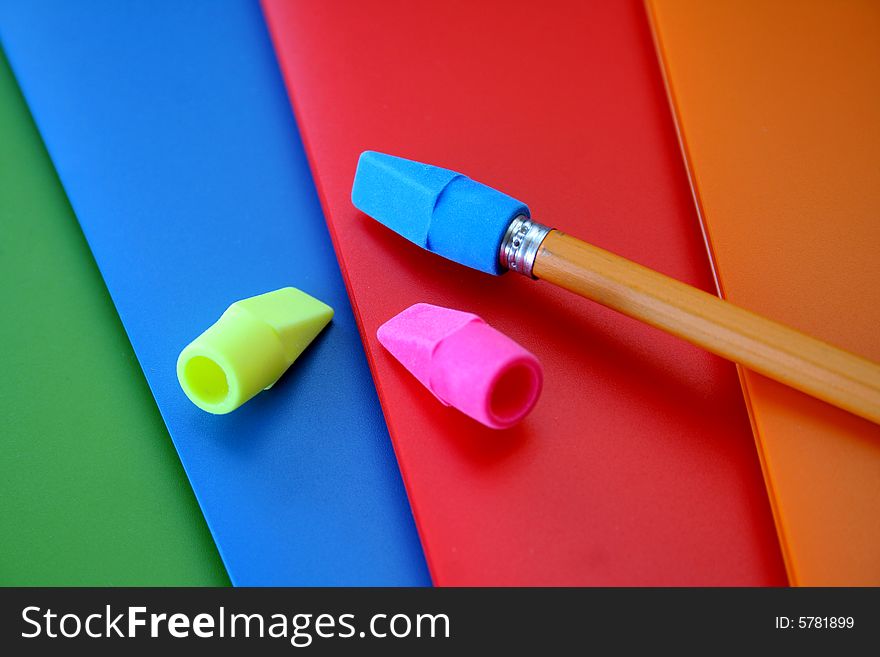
column 778, row 111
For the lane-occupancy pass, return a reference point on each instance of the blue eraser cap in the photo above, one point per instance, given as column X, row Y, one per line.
column 440, row 210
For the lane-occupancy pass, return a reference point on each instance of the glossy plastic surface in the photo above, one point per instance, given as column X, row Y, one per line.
column 170, row 130
column 637, row 466
column 779, row 120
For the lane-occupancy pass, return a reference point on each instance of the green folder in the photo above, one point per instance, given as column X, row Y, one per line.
column 91, row 489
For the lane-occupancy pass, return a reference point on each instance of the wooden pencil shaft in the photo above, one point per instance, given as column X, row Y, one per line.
column 772, row 349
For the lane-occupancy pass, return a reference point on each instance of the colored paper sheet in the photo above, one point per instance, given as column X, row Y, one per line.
column 637, row 466
column 170, row 130
column 777, row 105
column 91, row 490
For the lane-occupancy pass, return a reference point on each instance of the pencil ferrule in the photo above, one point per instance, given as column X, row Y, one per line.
column 519, row 247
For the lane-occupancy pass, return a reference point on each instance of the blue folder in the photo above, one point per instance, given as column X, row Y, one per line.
column 170, row 129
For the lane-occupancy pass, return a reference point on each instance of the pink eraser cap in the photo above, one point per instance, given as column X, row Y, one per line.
column 465, row 362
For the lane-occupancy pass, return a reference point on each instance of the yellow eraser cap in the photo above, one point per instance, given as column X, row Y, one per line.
column 249, row 348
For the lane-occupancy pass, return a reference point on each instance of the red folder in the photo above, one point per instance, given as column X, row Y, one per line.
column 637, row 466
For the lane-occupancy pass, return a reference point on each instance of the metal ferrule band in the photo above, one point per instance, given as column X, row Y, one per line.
column 520, row 244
